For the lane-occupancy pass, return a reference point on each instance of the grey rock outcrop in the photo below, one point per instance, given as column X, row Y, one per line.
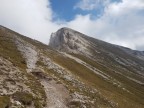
column 69, row 40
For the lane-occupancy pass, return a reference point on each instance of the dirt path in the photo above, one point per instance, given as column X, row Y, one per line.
column 57, row 94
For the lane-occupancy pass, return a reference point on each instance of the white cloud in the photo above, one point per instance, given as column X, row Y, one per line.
column 121, row 23
column 91, row 4
column 29, row 17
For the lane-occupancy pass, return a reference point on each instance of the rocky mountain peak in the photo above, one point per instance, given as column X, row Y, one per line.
column 2, row 28
column 66, row 39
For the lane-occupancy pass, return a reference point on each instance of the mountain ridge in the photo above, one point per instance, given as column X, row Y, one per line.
column 100, row 75
column 62, row 40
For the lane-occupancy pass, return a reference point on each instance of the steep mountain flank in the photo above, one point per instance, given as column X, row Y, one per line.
column 74, row 71
column 32, row 76
column 121, row 68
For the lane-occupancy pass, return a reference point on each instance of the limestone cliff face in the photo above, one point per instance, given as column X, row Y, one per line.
column 69, row 40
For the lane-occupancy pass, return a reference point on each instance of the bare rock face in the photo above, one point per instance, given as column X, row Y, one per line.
column 68, row 40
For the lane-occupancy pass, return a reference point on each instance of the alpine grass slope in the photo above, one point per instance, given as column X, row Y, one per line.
column 73, row 71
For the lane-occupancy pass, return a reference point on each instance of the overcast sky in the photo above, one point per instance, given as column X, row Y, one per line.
column 116, row 21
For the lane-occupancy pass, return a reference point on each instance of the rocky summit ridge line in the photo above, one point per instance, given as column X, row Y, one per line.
column 73, row 71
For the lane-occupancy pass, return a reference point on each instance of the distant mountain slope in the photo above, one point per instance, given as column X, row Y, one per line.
column 82, row 72
column 120, row 66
